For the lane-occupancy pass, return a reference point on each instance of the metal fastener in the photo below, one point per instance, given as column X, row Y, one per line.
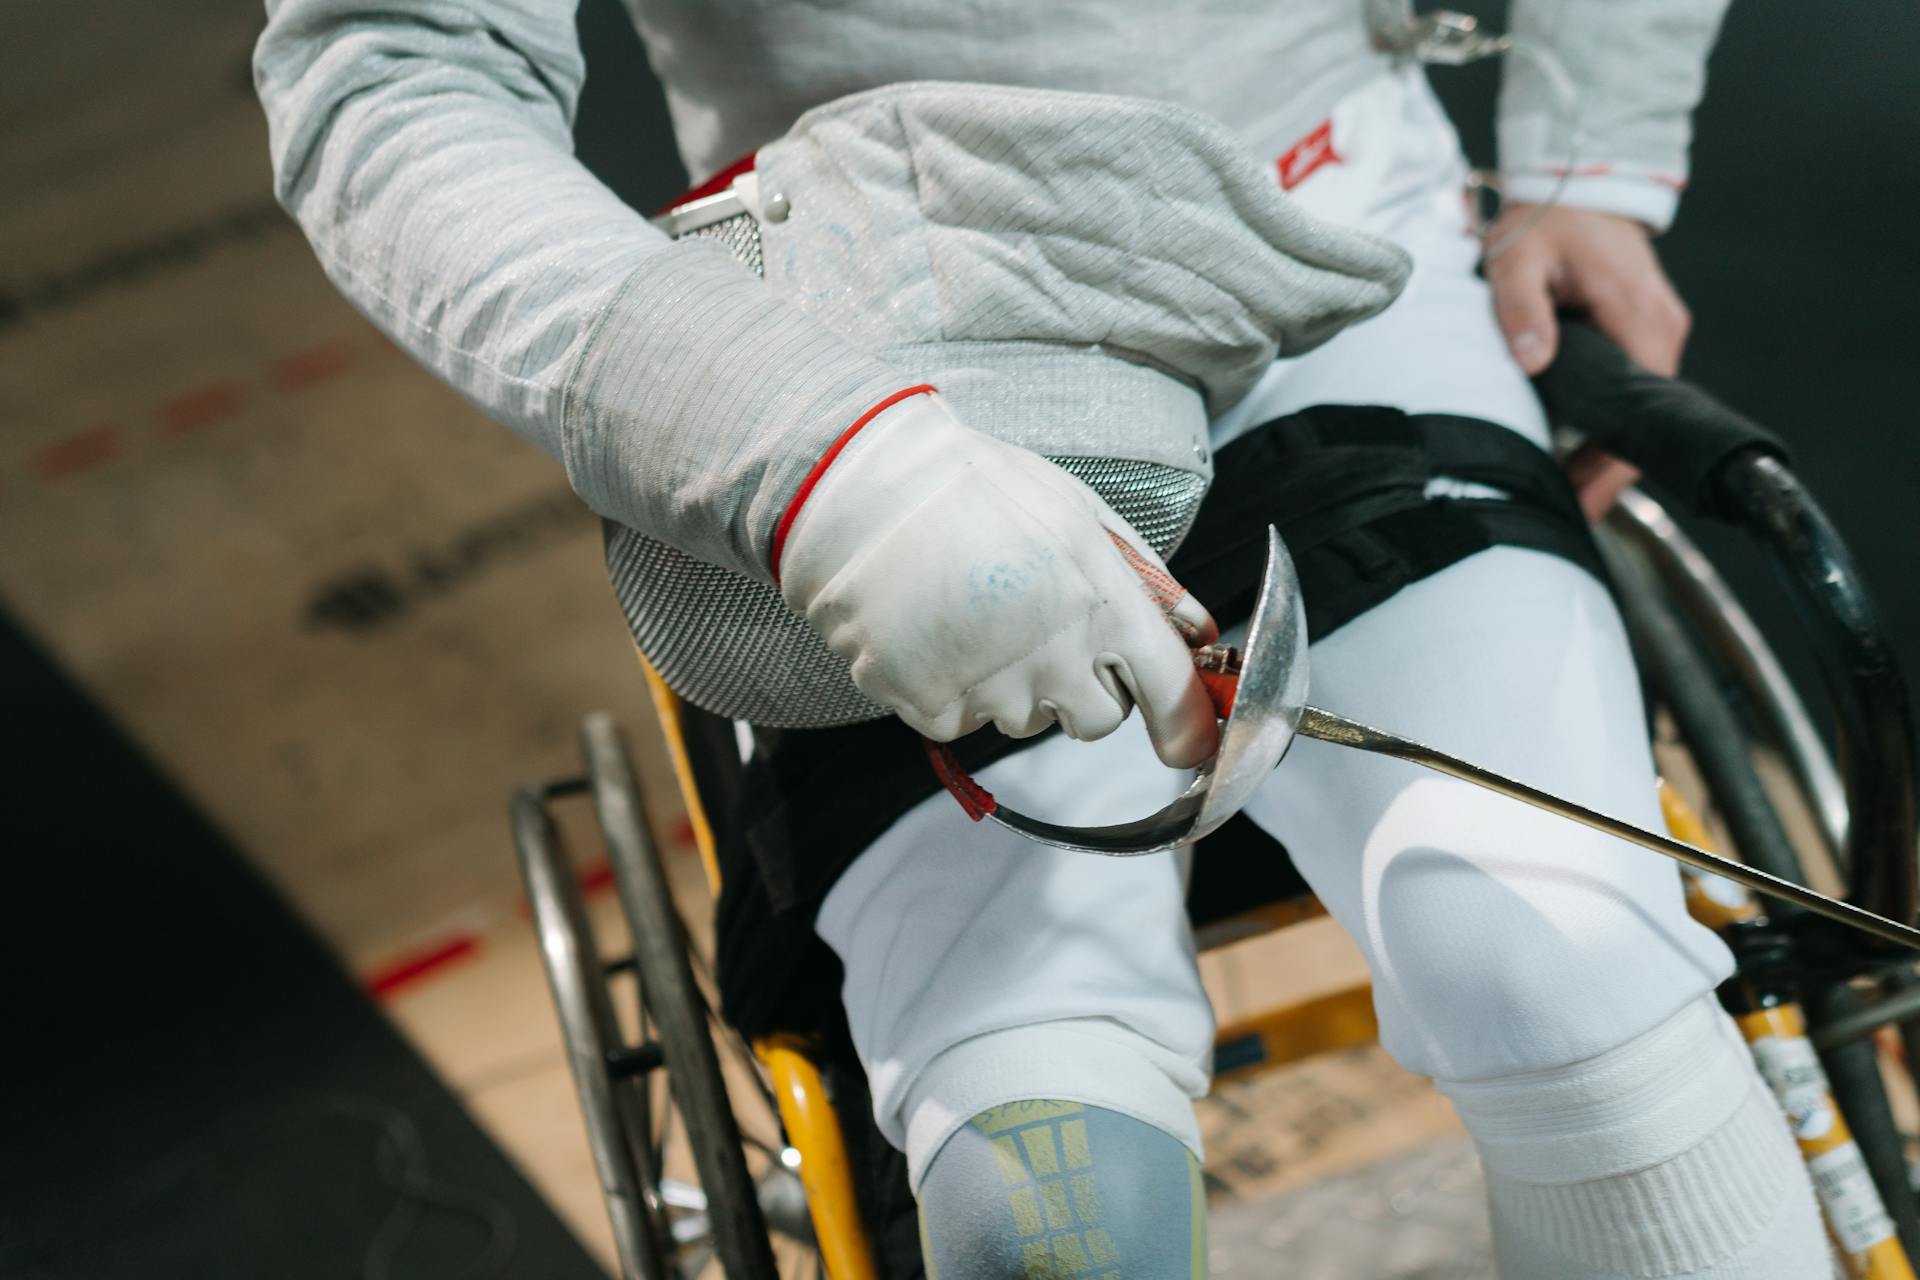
column 778, row 207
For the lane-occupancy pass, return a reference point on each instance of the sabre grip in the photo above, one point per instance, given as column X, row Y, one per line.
column 1218, row 666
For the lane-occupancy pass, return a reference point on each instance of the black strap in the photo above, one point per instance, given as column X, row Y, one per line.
column 1347, row 488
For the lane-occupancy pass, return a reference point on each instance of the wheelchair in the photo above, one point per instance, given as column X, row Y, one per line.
column 1833, row 1015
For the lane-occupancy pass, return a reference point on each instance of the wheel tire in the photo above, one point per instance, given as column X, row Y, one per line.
column 1693, row 683
column 673, row 1002
column 616, row 1117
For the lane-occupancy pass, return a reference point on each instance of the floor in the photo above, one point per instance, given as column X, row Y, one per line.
column 347, row 614
column 194, row 1086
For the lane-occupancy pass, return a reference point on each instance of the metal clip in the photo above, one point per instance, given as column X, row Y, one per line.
column 1448, row 39
column 1441, row 38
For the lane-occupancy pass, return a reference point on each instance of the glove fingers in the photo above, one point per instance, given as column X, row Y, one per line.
column 1087, row 708
column 952, row 722
column 1185, row 613
column 1191, row 619
column 1154, row 664
column 1017, row 717
column 1057, row 684
column 1158, row 671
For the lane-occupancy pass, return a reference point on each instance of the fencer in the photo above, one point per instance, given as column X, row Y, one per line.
column 1230, row 240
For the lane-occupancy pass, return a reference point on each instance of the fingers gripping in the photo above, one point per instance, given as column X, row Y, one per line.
column 1152, row 668
column 1187, row 615
column 1156, row 669
column 1089, row 677
column 1523, row 303
column 968, row 581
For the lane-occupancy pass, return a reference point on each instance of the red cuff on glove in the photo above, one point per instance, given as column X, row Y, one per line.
column 799, row 500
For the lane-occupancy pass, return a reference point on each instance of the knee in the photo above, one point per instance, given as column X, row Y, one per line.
column 1539, row 948
column 1459, row 934
column 1045, row 1187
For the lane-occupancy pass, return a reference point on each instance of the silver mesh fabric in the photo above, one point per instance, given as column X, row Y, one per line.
column 739, row 235
column 1159, row 502
column 730, row 645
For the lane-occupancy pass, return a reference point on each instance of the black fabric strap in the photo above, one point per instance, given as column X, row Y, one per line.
column 1347, row 488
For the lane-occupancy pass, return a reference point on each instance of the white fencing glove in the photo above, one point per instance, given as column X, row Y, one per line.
column 969, row 580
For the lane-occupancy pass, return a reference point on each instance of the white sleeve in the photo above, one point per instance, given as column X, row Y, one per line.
column 425, row 148
column 1638, row 68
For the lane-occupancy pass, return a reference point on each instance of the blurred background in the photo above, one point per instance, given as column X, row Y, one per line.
column 282, row 620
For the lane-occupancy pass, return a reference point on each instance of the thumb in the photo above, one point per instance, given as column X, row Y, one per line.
column 1523, row 303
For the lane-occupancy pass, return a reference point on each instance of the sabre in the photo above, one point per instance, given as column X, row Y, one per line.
column 1260, row 690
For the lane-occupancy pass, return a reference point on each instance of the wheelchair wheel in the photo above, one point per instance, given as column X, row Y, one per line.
column 710, row 1224
column 1729, row 705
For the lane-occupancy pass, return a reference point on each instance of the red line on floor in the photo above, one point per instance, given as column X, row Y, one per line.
column 314, row 365
column 596, row 878
column 411, row 968
column 200, row 407
column 79, row 452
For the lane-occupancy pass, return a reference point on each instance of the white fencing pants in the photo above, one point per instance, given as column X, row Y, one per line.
column 1500, row 939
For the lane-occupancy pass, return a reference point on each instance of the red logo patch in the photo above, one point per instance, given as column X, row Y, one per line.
column 1307, row 155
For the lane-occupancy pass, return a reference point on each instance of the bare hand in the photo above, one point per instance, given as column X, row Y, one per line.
column 1602, row 264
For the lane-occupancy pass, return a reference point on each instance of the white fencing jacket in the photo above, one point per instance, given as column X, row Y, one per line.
column 425, row 148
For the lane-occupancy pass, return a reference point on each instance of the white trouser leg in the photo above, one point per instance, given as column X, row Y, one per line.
column 1484, row 921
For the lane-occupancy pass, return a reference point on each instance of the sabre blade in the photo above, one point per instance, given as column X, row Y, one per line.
column 1327, row 727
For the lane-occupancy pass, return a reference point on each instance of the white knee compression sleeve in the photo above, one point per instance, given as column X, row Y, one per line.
column 1664, row 1157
